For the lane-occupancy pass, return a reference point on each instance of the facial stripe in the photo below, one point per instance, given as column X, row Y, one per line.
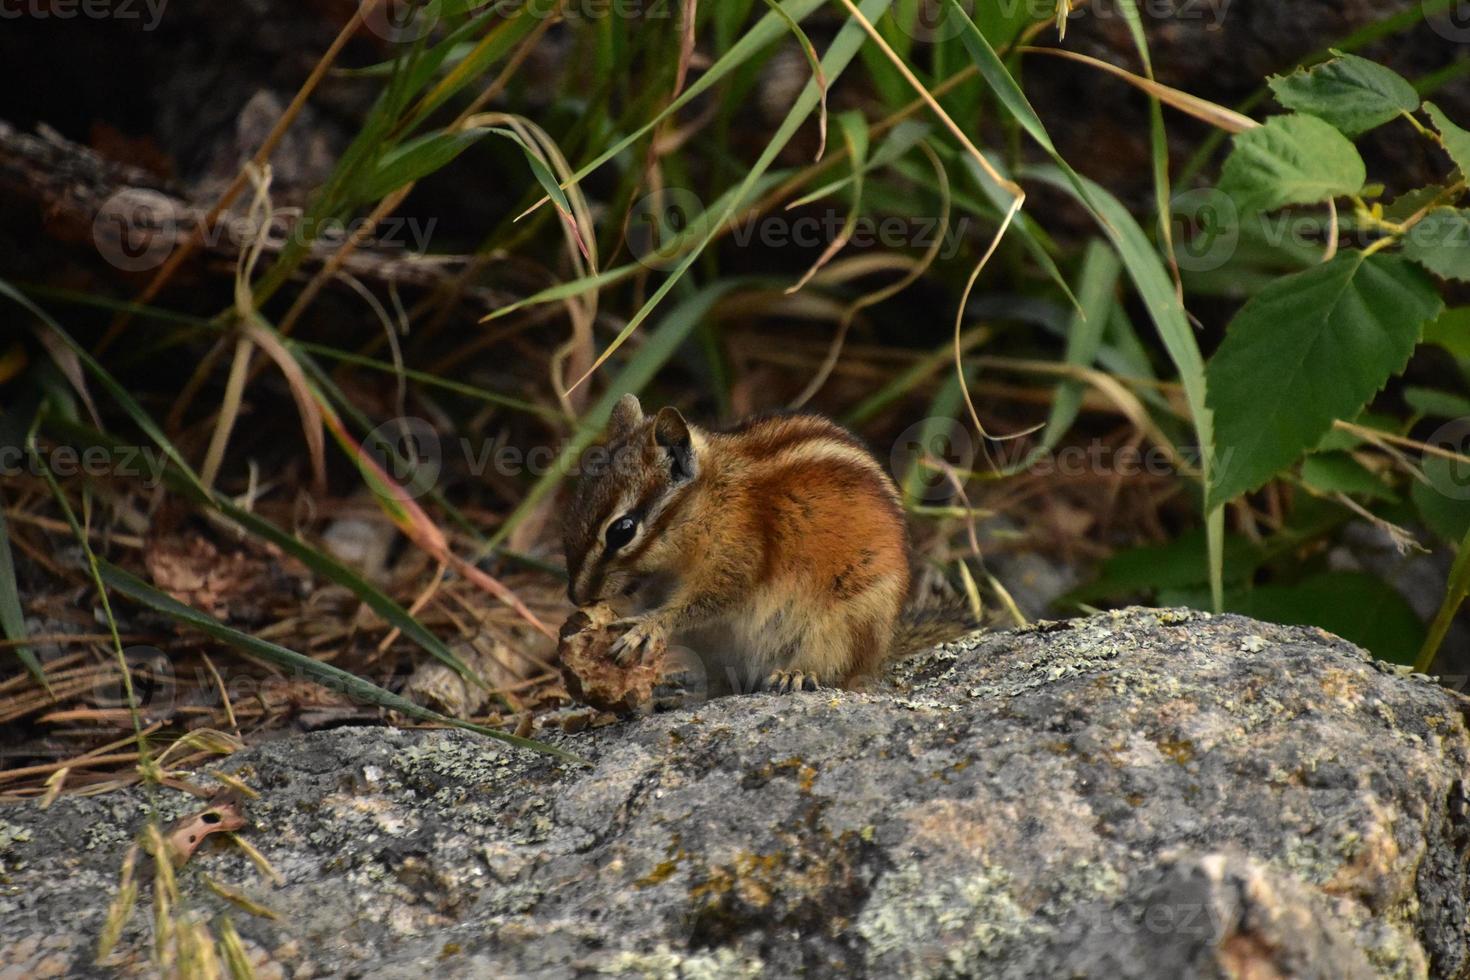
column 658, row 521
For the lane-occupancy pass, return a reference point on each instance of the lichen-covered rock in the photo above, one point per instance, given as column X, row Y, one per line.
column 1142, row 794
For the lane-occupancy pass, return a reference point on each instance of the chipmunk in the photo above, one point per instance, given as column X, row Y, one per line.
column 777, row 549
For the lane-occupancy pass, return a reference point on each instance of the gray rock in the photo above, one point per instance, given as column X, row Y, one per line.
column 1142, row 794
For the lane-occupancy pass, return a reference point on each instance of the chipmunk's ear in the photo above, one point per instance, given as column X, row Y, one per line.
column 671, row 433
column 626, row 414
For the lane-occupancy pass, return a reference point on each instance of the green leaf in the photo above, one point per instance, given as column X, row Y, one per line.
column 1441, row 243
column 1291, row 159
column 1177, row 564
column 1357, row 607
column 1410, row 203
column 331, row 677
column 1308, row 349
column 1445, row 515
column 12, row 617
column 1340, row 473
column 415, row 159
column 1166, row 309
column 1451, row 330
column 1352, row 93
column 1456, row 140
column 1435, row 403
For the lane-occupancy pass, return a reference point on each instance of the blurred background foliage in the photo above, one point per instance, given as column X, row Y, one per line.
column 308, row 305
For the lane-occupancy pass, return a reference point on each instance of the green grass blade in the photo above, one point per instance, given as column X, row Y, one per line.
column 1010, row 96
column 1454, row 596
column 1156, row 289
column 333, row 678
column 187, row 482
column 1158, row 137
column 1095, row 288
column 849, row 38
column 12, row 616
column 768, row 29
column 425, row 378
column 94, row 569
column 318, row 561
column 657, row 348
column 117, row 391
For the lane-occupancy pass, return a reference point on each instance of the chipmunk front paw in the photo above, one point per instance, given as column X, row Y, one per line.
column 787, row 681
column 645, row 635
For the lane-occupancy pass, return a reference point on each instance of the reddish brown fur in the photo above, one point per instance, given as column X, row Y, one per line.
column 786, row 544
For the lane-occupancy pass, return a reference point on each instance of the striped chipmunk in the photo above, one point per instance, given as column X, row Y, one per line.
column 777, row 550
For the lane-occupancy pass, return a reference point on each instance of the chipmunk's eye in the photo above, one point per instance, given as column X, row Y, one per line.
column 620, row 532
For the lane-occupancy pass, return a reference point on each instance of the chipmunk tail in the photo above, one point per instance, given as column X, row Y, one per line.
column 928, row 624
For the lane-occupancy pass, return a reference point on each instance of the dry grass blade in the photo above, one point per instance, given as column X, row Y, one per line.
column 262, row 155
column 903, row 69
column 301, row 392
column 410, row 518
column 818, row 76
column 229, row 411
column 120, row 910
column 879, row 295
column 959, row 322
column 1204, row 110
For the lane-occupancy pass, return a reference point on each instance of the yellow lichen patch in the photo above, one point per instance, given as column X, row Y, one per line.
column 1374, row 862
column 661, row 871
column 805, row 774
column 1181, row 750
column 751, row 878
column 1341, row 685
